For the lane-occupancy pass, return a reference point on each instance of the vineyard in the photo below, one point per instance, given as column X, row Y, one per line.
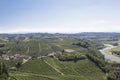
column 54, row 59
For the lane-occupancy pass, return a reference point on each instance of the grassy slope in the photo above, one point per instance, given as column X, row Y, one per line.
column 81, row 70
column 38, row 67
column 42, row 46
column 39, row 70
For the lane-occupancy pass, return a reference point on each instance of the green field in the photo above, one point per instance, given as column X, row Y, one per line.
column 81, row 70
column 40, row 47
column 52, row 68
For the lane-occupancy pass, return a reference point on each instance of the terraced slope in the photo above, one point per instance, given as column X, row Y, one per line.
column 41, row 46
column 51, row 68
column 39, row 69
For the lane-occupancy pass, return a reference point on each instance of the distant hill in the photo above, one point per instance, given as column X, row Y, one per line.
column 80, row 35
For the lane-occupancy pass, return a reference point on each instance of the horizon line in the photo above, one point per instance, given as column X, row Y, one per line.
column 55, row 32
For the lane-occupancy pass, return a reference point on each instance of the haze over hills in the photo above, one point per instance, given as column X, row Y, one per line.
column 82, row 34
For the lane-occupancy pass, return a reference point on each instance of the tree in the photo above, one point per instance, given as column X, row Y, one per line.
column 111, row 76
column 18, row 65
column 63, row 51
column 3, row 72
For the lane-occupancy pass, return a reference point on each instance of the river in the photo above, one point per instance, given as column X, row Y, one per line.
column 109, row 56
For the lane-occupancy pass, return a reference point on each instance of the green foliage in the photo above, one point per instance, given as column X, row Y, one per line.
column 18, row 65
column 71, row 57
column 116, row 52
column 82, row 43
column 98, row 61
column 2, row 45
column 111, row 76
column 3, row 72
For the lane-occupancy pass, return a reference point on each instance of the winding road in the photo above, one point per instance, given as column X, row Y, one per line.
column 109, row 56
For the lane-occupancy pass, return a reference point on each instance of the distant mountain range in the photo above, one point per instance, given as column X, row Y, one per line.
column 80, row 35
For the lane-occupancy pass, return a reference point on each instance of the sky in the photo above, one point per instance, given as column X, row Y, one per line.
column 59, row 16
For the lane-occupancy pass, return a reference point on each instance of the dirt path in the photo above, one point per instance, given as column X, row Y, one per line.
column 54, row 68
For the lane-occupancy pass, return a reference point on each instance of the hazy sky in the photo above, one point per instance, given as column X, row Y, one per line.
column 68, row 16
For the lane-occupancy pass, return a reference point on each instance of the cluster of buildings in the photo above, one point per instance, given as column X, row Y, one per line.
column 15, row 57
